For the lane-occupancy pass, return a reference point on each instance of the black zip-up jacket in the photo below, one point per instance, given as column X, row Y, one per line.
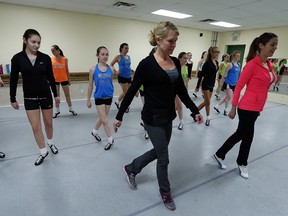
column 209, row 71
column 159, row 91
column 37, row 79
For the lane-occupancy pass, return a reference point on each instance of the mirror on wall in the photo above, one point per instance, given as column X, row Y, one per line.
column 281, row 71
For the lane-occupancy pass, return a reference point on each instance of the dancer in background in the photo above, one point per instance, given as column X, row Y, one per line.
column 62, row 76
column 102, row 75
column 184, row 72
column 199, row 73
column 161, row 76
column 209, row 71
column 2, row 155
column 230, row 79
column 257, row 76
column 124, row 72
column 280, row 73
column 222, row 67
column 38, row 81
column 189, row 65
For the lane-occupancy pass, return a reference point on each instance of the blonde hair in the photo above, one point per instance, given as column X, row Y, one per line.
column 161, row 31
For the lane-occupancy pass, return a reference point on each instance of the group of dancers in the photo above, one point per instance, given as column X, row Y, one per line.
column 160, row 76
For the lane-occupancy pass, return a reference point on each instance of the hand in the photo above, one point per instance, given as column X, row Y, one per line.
column 15, row 105
column 116, row 125
column 199, row 118
column 88, row 104
column 232, row 113
column 57, row 100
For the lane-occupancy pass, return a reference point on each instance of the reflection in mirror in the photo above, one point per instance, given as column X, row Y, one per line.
column 280, row 67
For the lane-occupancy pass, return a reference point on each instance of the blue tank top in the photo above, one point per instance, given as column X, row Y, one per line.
column 103, row 83
column 125, row 67
column 233, row 75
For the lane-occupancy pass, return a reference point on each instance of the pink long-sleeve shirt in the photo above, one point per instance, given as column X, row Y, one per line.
column 257, row 79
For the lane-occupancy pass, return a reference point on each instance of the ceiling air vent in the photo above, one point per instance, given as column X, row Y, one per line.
column 207, row 20
column 124, row 5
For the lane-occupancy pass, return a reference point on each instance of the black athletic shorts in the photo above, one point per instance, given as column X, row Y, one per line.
column 227, row 86
column 38, row 103
column 106, row 101
column 62, row 83
column 124, row 80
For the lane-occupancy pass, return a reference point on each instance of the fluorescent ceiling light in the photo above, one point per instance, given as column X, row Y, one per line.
column 225, row 24
column 173, row 14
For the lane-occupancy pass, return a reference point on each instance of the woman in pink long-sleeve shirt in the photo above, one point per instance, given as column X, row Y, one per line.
column 257, row 76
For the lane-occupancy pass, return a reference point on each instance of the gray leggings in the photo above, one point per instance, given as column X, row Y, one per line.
column 160, row 138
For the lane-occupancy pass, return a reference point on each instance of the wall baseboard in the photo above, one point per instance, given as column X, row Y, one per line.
column 74, row 76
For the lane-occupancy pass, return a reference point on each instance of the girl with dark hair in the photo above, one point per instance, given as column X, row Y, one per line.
column 209, row 71
column 257, row 76
column 62, row 76
column 38, row 81
column 124, row 72
column 102, row 76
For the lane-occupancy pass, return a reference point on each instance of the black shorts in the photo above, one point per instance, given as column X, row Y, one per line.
column 141, row 93
column 124, row 80
column 100, row 101
column 38, row 103
column 207, row 88
column 62, row 83
column 227, row 86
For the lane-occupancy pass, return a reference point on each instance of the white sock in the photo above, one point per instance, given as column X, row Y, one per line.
column 208, row 117
column 110, row 140
column 226, row 109
column 217, row 106
column 181, row 121
column 50, row 141
column 94, row 131
column 70, row 108
column 57, row 109
column 43, row 151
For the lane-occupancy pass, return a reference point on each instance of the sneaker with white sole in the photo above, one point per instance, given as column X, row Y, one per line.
column 221, row 165
column 96, row 136
column 53, row 149
column 40, row 159
column 243, row 171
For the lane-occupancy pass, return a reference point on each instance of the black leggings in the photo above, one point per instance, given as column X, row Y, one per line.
column 244, row 133
column 160, row 138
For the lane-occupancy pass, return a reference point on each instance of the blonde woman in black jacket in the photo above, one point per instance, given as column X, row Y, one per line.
column 160, row 74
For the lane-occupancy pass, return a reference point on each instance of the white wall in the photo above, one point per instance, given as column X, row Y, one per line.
column 79, row 35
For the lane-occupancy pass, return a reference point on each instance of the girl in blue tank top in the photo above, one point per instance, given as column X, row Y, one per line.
column 124, row 72
column 231, row 76
column 102, row 75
